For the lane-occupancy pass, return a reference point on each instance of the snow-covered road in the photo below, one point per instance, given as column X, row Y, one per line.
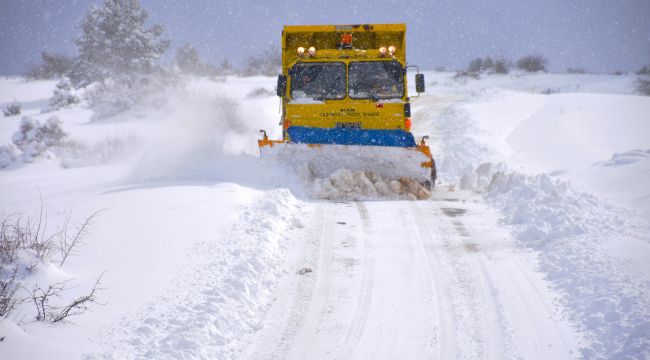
column 413, row 280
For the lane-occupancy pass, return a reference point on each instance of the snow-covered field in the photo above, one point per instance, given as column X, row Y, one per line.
column 535, row 243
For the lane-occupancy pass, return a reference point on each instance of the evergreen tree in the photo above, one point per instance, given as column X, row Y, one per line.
column 226, row 67
column 114, row 41
column 187, row 59
column 476, row 65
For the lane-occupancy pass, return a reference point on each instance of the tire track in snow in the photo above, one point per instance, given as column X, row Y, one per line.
column 470, row 294
column 477, row 286
column 538, row 332
column 318, row 309
column 301, row 301
column 489, row 290
column 444, row 341
column 429, row 283
column 365, row 293
column 540, row 302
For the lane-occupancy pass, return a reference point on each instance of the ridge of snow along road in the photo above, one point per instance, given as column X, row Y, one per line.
column 578, row 240
column 594, row 252
column 219, row 299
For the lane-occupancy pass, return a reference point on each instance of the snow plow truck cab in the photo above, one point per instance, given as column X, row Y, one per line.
column 345, row 102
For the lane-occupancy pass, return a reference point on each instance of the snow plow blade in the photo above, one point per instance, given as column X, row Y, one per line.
column 322, row 160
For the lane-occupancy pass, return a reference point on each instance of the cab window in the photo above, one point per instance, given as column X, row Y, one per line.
column 319, row 81
column 376, row 80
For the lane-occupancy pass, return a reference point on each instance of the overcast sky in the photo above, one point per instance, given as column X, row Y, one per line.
column 598, row 35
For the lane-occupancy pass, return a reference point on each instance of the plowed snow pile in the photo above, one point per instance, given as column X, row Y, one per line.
column 365, row 185
column 214, row 305
column 574, row 234
column 518, row 150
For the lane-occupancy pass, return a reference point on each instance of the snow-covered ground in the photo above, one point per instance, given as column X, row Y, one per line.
column 535, row 243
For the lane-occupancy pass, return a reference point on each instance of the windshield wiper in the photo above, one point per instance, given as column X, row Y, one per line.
column 325, row 93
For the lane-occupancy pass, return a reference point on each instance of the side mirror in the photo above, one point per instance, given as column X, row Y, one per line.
column 419, row 83
column 282, row 85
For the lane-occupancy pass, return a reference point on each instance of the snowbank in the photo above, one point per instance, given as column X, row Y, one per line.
column 623, row 179
column 573, row 234
column 219, row 299
column 517, row 147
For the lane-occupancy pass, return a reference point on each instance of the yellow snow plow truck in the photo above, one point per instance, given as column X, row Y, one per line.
column 345, row 103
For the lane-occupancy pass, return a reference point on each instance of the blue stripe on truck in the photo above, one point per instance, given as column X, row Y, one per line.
column 309, row 135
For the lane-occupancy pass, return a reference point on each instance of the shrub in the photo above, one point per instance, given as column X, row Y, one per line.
column 24, row 246
column 260, row 92
column 35, row 139
column 501, row 66
column 465, row 73
column 225, row 68
column 572, row 70
column 187, row 59
column 643, row 86
column 12, row 109
column 8, row 154
column 549, row 91
column 475, row 65
column 268, row 63
column 52, row 66
column 532, row 63
column 46, row 311
column 9, row 286
column 123, row 94
column 484, row 64
column 488, row 64
column 63, row 96
column 644, row 70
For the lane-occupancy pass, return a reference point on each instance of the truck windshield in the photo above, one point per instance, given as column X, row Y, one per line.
column 319, row 81
column 376, row 80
